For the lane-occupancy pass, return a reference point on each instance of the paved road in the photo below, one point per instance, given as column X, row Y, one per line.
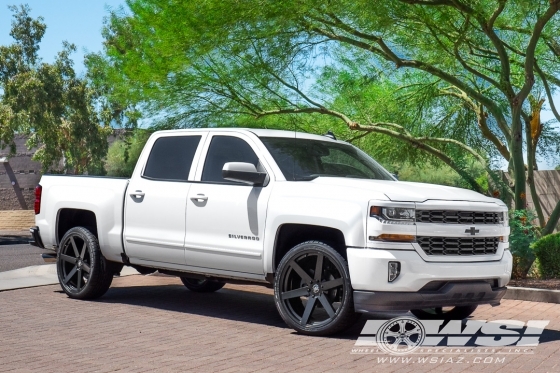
column 149, row 323
column 19, row 256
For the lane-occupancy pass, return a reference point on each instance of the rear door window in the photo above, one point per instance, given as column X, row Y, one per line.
column 171, row 158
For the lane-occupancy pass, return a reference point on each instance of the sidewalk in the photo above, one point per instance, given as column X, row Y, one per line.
column 38, row 276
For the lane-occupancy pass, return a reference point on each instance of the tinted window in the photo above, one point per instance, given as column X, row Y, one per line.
column 171, row 158
column 304, row 159
column 224, row 149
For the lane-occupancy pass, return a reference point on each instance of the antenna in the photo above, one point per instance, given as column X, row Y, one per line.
column 330, row 134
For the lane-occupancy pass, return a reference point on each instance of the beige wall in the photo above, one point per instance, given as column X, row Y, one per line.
column 17, row 219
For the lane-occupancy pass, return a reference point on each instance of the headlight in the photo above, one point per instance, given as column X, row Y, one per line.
column 394, row 215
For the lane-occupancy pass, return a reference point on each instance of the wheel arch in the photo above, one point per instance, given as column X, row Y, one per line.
column 68, row 218
column 289, row 235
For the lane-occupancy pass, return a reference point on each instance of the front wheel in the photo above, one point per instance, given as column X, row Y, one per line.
column 444, row 313
column 312, row 290
column 82, row 270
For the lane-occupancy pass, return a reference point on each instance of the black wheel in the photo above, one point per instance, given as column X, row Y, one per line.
column 202, row 285
column 312, row 290
column 444, row 313
column 83, row 272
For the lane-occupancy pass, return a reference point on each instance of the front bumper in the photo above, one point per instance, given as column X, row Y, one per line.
column 450, row 294
column 456, row 283
column 368, row 270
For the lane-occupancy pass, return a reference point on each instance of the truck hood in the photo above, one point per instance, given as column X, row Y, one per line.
column 404, row 191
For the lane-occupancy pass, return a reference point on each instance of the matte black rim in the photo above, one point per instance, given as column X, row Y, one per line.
column 75, row 263
column 312, row 289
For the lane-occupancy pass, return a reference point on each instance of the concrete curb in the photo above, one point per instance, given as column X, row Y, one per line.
column 533, row 295
column 40, row 275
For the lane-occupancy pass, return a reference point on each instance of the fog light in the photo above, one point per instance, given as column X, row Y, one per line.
column 394, row 270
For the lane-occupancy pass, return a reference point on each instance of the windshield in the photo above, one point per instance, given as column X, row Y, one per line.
column 304, row 159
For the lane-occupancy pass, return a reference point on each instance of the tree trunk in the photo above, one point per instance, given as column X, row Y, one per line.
column 517, row 157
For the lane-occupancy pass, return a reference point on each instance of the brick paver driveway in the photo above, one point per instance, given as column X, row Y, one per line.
column 149, row 323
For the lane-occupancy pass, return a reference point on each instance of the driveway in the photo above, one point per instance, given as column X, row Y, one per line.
column 147, row 323
column 18, row 256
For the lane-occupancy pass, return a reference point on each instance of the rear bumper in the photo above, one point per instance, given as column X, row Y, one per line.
column 36, row 237
column 47, row 257
column 450, row 294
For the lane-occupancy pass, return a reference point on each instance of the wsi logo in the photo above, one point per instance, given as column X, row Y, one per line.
column 404, row 335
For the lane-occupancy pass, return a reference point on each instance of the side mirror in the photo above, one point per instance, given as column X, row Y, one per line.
column 243, row 172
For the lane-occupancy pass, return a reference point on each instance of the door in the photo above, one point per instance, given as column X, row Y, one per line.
column 156, row 201
column 225, row 219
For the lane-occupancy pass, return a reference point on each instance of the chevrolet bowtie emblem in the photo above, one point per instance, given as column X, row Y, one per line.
column 472, row 231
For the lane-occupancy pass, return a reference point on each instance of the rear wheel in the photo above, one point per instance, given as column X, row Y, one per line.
column 444, row 313
column 312, row 290
column 83, row 272
column 202, row 285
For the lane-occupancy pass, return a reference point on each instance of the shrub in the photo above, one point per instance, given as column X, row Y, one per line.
column 523, row 234
column 123, row 154
column 547, row 250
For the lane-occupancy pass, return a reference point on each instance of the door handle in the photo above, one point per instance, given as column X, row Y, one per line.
column 137, row 194
column 199, row 197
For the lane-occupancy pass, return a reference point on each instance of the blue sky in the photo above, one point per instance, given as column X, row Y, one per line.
column 76, row 21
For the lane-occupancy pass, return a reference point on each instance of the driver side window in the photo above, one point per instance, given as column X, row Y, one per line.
column 224, row 149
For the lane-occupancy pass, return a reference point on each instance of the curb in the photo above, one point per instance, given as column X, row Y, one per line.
column 533, row 295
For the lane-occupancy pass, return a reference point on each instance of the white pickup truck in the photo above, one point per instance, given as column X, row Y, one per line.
column 317, row 219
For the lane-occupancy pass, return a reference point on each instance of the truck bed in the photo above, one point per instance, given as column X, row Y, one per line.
column 104, row 196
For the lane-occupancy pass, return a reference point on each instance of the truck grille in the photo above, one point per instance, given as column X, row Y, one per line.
column 459, row 245
column 458, row 217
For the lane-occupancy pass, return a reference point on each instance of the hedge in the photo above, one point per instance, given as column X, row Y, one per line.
column 547, row 251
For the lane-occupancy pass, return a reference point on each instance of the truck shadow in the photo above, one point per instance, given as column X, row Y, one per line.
column 242, row 305
column 228, row 304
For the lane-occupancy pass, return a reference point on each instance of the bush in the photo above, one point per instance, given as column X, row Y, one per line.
column 547, row 251
column 523, row 234
column 123, row 154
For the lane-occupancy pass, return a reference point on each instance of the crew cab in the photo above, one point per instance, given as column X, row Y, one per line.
column 317, row 219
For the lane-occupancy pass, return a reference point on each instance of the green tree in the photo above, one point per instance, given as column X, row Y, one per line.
column 448, row 80
column 48, row 102
column 124, row 153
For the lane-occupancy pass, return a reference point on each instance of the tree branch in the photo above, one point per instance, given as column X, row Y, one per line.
column 431, row 69
column 548, row 91
column 531, row 174
column 552, row 220
column 482, row 122
column 530, row 52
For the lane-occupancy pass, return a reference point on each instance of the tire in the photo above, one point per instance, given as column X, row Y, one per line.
column 314, row 302
column 202, row 285
column 83, row 272
column 453, row 313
